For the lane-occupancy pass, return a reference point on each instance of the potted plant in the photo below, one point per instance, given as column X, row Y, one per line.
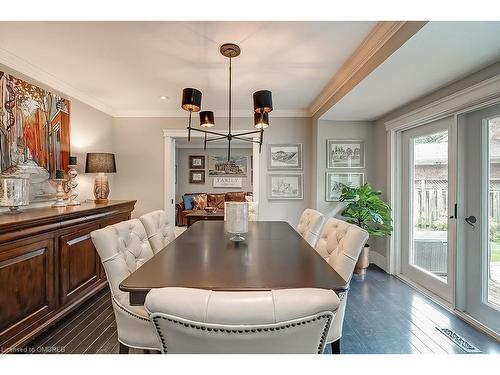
column 367, row 210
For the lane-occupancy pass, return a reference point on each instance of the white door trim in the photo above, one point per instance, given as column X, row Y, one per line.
column 476, row 96
column 169, row 136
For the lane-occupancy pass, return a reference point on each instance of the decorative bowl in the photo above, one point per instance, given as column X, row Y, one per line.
column 211, row 210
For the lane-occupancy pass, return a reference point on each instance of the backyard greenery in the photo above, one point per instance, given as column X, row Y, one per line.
column 367, row 210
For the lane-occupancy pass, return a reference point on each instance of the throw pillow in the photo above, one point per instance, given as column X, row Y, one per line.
column 188, row 202
column 200, row 202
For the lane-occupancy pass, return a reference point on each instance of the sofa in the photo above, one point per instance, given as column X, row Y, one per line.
column 213, row 200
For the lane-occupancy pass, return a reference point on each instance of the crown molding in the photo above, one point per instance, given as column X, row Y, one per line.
column 385, row 38
column 33, row 72
column 218, row 113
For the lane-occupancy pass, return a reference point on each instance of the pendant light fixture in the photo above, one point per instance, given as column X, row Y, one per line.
column 262, row 105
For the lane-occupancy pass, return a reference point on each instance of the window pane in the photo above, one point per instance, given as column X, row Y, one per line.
column 430, row 204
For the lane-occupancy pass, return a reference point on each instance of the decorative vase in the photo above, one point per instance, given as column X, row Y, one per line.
column 363, row 261
column 14, row 192
column 237, row 220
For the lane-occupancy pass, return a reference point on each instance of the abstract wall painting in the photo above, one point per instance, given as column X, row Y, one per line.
column 34, row 134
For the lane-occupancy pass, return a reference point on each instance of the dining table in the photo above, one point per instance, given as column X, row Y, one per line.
column 272, row 256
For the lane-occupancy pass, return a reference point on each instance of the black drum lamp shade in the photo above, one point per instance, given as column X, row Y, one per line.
column 191, row 99
column 207, row 119
column 99, row 162
column 261, row 120
column 262, row 101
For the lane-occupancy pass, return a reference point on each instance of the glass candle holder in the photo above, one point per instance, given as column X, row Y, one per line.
column 237, row 220
column 14, row 192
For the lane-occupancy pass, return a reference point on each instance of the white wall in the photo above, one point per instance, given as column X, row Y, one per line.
column 139, row 148
column 182, row 160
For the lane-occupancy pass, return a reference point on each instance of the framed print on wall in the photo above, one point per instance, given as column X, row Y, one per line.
column 345, row 153
column 196, row 162
column 285, row 186
column 196, row 177
column 284, row 156
column 219, row 166
column 335, row 181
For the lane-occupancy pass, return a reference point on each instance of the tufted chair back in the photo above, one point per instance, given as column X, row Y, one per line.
column 253, row 211
column 309, row 225
column 158, row 228
column 340, row 244
column 123, row 248
column 277, row 321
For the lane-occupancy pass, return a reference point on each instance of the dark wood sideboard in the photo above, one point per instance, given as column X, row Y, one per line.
column 48, row 265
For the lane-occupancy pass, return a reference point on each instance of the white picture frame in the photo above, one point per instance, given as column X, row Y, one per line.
column 285, row 186
column 345, row 153
column 284, row 156
column 227, row 182
column 334, row 179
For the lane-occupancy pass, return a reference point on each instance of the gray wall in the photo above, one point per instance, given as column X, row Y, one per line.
column 182, row 161
column 139, row 148
column 338, row 130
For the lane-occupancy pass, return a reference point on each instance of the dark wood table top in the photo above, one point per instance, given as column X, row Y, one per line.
column 273, row 256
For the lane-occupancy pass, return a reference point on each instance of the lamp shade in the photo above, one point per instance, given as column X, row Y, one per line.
column 262, row 101
column 191, row 99
column 207, row 119
column 261, row 120
column 99, row 162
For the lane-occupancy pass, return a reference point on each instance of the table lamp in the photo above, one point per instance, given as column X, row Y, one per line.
column 100, row 163
column 236, row 220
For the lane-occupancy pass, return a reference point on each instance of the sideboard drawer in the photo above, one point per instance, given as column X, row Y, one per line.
column 80, row 264
column 27, row 286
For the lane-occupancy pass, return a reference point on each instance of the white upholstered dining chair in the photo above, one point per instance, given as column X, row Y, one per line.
column 158, row 228
column 340, row 244
column 309, row 225
column 277, row 321
column 123, row 248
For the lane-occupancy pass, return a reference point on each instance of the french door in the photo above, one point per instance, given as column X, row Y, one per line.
column 478, row 256
column 428, row 207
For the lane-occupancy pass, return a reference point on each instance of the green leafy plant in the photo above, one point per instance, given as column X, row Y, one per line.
column 367, row 210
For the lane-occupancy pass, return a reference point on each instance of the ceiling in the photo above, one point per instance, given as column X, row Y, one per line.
column 123, row 68
column 439, row 53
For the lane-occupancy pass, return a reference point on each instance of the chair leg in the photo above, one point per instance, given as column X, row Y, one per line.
column 335, row 346
column 124, row 349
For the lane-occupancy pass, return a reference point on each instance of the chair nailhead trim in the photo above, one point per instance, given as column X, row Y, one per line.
column 129, row 312
column 321, row 346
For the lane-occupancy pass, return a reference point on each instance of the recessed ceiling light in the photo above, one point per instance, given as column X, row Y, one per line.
column 163, row 97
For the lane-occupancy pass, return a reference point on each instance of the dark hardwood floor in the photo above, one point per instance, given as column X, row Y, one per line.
column 383, row 315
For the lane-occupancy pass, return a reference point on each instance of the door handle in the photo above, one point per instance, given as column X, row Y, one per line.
column 471, row 220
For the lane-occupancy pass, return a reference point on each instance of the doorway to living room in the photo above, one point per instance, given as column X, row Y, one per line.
column 189, row 169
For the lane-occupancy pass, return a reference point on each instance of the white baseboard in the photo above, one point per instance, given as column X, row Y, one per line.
column 378, row 259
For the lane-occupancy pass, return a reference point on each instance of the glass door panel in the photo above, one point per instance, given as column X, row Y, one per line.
column 425, row 203
column 429, row 250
